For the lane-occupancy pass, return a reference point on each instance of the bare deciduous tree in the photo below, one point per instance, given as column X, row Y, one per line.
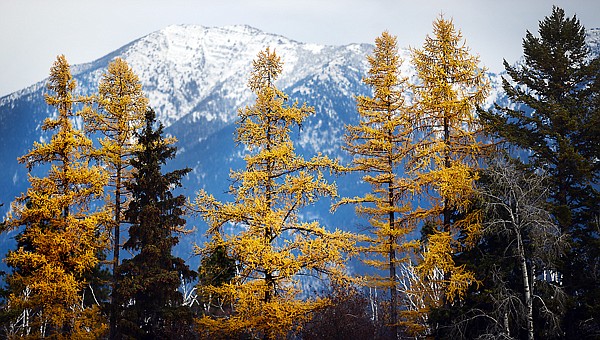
column 515, row 205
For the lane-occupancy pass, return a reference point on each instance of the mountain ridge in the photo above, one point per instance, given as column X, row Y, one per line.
column 593, row 39
column 196, row 79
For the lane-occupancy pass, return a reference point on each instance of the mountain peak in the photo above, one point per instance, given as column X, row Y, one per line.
column 230, row 31
column 243, row 28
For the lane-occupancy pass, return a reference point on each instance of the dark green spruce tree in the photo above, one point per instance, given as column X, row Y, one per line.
column 556, row 120
column 151, row 305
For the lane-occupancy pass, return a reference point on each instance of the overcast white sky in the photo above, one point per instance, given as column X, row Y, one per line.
column 34, row 32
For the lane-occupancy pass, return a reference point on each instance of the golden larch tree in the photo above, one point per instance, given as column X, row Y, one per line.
column 121, row 105
column 448, row 149
column 62, row 235
column 379, row 144
column 271, row 244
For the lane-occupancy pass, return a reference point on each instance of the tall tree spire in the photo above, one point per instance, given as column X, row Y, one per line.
column 62, row 234
column 379, row 144
column 447, row 150
column 121, row 107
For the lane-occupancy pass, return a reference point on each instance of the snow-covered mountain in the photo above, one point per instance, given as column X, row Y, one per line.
column 195, row 78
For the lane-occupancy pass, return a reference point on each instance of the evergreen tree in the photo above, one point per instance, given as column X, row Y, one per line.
column 121, row 105
column 62, row 235
column 446, row 153
column 270, row 243
column 379, row 144
column 556, row 120
column 148, row 282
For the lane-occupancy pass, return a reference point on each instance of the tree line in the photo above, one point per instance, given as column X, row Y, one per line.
column 506, row 202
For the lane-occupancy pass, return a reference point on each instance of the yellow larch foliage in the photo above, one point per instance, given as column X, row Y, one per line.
column 121, row 105
column 448, row 150
column 271, row 244
column 379, row 145
column 62, row 236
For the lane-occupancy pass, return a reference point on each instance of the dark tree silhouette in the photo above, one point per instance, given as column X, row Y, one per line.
column 151, row 305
